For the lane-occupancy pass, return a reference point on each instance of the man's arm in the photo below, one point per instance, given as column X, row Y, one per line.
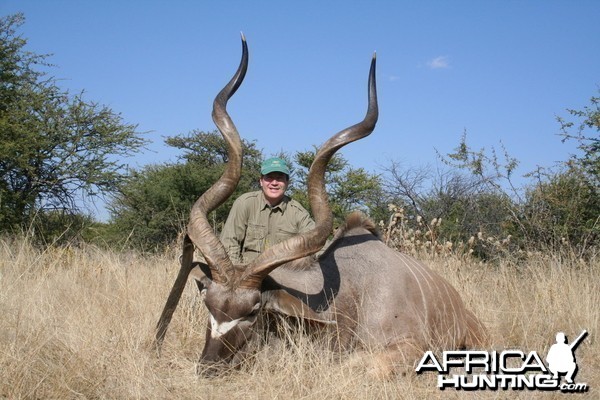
column 234, row 230
column 305, row 222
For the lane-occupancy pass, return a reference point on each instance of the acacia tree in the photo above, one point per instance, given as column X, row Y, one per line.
column 56, row 148
column 559, row 209
column 586, row 132
column 440, row 206
column 348, row 188
column 153, row 204
column 565, row 205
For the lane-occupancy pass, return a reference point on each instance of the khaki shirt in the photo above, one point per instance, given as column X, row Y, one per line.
column 253, row 225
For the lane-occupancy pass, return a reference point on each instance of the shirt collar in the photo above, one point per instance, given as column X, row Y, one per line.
column 282, row 204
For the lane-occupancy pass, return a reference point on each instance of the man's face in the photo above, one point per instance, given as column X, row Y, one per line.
column 273, row 186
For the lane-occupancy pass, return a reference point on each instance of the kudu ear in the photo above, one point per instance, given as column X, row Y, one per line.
column 201, row 273
column 282, row 302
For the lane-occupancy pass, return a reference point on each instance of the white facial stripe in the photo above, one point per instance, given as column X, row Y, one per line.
column 219, row 329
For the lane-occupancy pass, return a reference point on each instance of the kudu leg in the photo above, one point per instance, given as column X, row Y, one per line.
column 187, row 259
column 398, row 358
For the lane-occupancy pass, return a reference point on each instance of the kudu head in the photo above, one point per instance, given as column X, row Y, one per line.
column 233, row 294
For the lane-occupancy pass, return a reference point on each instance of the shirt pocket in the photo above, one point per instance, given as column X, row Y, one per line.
column 255, row 238
column 284, row 233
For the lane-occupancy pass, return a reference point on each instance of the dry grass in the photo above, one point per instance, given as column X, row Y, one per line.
column 77, row 323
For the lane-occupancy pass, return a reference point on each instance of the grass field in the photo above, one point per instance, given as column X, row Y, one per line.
column 78, row 323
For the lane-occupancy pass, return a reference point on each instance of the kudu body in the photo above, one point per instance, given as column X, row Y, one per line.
column 366, row 293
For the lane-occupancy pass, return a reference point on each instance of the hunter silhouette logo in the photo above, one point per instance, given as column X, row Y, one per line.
column 508, row 369
column 561, row 356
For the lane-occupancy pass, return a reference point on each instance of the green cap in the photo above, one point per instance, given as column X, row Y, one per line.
column 274, row 164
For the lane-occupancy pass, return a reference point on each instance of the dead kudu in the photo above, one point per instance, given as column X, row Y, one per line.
column 366, row 294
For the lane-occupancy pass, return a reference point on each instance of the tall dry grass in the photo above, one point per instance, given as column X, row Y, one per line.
column 77, row 323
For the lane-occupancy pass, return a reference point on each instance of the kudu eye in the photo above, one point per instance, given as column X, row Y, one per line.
column 255, row 310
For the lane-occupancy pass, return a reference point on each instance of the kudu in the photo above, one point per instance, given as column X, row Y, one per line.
column 365, row 292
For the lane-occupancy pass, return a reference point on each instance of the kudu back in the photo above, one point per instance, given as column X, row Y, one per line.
column 363, row 292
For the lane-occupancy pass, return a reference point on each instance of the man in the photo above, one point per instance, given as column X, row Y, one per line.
column 261, row 219
column 560, row 357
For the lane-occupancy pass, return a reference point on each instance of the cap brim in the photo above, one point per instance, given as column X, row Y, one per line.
column 268, row 170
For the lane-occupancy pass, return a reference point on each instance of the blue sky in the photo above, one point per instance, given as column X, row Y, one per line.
column 501, row 70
